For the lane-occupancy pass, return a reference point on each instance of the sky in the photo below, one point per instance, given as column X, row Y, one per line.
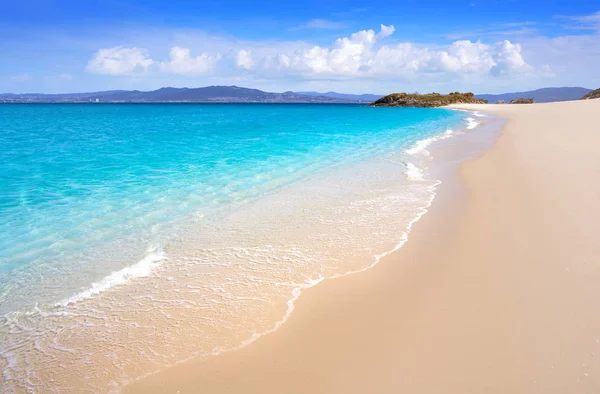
column 484, row 46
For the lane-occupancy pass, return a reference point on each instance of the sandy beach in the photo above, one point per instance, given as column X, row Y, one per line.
column 496, row 290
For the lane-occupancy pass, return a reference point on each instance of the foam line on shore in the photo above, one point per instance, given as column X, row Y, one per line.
column 297, row 291
column 300, row 288
column 154, row 256
column 421, row 145
column 413, row 172
column 471, row 123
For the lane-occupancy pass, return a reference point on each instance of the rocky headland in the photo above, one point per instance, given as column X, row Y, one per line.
column 592, row 95
column 522, row 101
column 426, row 100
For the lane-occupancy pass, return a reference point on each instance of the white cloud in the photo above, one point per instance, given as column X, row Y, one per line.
column 508, row 58
column 466, row 56
column 386, row 31
column 367, row 61
column 119, row 61
column 181, row 62
column 347, row 56
column 135, row 61
column 244, row 60
column 362, row 55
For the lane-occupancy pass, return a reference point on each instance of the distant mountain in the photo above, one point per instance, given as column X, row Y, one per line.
column 544, row 95
column 359, row 97
column 59, row 96
column 219, row 94
column 592, row 95
column 235, row 94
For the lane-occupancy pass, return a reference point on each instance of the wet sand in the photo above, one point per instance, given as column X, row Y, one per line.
column 496, row 291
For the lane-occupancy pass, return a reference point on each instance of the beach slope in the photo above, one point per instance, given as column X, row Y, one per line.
column 496, row 291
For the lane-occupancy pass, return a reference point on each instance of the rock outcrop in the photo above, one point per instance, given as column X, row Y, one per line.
column 592, row 95
column 522, row 101
column 426, row 100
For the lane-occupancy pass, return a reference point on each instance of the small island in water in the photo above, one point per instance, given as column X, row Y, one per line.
column 426, row 100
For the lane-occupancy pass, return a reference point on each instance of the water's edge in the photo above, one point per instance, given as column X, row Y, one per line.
column 175, row 276
column 492, row 126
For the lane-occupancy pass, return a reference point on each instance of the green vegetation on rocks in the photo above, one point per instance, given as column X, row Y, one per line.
column 592, row 95
column 522, row 101
column 426, row 100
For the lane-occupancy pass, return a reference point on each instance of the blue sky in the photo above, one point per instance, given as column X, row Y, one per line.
column 349, row 46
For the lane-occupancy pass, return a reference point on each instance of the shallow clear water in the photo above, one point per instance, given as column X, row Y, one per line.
column 223, row 210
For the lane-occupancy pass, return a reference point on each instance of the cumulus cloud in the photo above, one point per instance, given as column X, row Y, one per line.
column 181, row 62
column 508, row 58
column 346, row 56
column 363, row 55
column 244, row 60
column 386, row 31
column 136, row 61
column 119, row 61
column 465, row 56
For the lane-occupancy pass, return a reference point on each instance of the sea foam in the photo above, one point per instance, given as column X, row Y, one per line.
column 154, row 256
column 471, row 123
column 421, row 145
column 413, row 172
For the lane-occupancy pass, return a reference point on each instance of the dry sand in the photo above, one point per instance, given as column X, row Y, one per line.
column 495, row 292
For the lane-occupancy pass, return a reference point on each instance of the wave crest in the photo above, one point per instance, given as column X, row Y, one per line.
column 144, row 267
column 421, row 145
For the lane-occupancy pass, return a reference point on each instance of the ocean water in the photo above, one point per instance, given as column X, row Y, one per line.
column 133, row 237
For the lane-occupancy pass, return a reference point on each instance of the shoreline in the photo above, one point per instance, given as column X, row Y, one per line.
column 347, row 335
column 444, row 169
column 421, row 147
column 380, row 172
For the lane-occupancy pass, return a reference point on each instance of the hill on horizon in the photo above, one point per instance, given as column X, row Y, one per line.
column 236, row 94
column 366, row 97
column 208, row 94
column 544, row 95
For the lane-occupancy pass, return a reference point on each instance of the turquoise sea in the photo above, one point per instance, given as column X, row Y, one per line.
column 188, row 224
